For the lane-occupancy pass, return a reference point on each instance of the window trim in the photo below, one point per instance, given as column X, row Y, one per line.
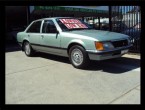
column 41, row 26
column 28, row 27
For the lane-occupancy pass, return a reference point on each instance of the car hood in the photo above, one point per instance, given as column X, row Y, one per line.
column 100, row 34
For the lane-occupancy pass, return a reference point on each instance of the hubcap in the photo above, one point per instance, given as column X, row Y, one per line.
column 77, row 57
column 27, row 48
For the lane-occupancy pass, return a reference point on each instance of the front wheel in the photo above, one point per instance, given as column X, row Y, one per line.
column 78, row 57
column 28, row 49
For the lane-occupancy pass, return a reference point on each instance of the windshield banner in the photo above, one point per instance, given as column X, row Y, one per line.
column 73, row 23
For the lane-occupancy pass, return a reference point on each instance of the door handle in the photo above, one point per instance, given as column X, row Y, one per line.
column 42, row 36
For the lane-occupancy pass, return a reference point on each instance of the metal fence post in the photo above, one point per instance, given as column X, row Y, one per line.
column 110, row 17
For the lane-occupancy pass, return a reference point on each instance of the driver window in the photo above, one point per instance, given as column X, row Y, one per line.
column 49, row 27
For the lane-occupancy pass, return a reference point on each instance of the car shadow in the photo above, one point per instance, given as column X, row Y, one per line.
column 11, row 47
column 114, row 66
column 52, row 57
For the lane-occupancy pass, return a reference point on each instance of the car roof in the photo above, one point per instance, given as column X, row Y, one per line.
column 51, row 18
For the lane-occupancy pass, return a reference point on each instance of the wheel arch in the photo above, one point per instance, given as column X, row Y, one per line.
column 85, row 62
column 80, row 43
column 25, row 40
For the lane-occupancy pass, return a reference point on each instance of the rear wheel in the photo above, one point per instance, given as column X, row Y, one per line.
column 78, row 57
column 28, row 49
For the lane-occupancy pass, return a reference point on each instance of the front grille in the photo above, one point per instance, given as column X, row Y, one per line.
column 120, row 43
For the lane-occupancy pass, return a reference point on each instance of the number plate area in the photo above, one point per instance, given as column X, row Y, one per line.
column 124, row 51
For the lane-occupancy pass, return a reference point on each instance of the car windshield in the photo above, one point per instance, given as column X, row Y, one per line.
column 69, row 24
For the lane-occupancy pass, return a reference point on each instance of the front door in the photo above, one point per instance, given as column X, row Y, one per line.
column 50, row 38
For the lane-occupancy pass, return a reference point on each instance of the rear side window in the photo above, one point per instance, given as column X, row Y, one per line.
column 35, row 27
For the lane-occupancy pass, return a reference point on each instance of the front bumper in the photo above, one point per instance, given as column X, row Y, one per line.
column 104, row 55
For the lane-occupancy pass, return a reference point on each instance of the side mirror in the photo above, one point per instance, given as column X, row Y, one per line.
column 57, row 32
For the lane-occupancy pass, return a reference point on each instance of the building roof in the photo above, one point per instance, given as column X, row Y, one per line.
column 53, row 18
column 70, row 11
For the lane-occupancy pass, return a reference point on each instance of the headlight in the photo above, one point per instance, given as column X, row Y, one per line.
column 108, row 45
column 129, row 41
column 103, row 45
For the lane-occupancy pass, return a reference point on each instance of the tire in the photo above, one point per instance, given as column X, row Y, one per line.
column 78, row 57
column 28, row 49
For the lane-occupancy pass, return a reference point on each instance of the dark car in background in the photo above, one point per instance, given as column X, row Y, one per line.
column 134, row 32
column 118, row 26
column 103, row 26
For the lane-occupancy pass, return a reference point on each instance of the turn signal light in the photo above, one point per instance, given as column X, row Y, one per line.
column 99, row 45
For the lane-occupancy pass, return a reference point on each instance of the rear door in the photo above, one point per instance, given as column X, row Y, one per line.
column 34, row 36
